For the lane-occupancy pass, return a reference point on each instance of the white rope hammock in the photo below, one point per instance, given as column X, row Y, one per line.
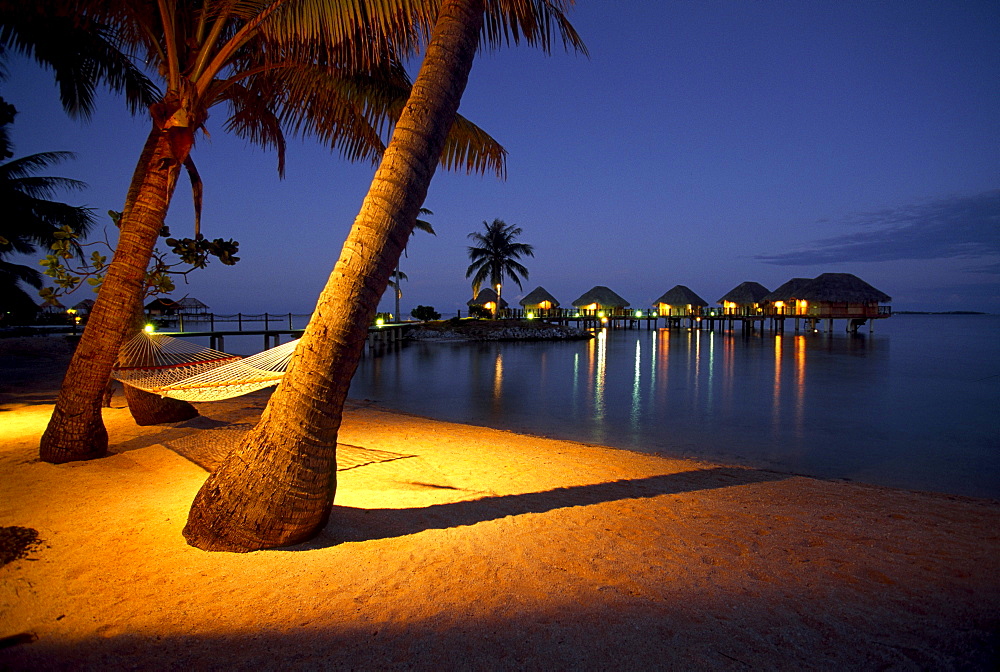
column 170, row 367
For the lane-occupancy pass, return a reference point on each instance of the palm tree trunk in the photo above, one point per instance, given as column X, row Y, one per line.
column 277, row 488
column 76, row 429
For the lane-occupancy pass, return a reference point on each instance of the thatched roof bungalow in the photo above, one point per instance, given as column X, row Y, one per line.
column 85, row 306
column 786, row 299
column 487, row 298
column 601, row 298
column 192, row 306
column 842, row 295
column 744, row 299
column 51, row 307
column 162, row 306
column 539, row 299
column 679, row 301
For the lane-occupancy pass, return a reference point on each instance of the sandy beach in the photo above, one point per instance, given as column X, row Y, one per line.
column 459, row 547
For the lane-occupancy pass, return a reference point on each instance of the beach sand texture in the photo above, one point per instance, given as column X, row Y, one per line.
column 458, row 547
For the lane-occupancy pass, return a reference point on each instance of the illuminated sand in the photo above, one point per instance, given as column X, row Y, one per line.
column 482, row 549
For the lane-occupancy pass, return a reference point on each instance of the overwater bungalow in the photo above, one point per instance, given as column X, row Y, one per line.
column 680, row 302
column 786, row 299
column 599, row 299
column 744, row 299
column 487, row 299
column 843, row 295
column 539, row 302
column 192, row 306
column 162, row 306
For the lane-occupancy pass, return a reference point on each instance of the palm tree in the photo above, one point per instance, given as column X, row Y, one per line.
column 30, row 218
column 398, row 276
column 496, row 255
column 277, row 487
column 312, row 67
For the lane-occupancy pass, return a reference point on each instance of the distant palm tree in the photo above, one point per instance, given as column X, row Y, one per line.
column 30, row 218
column 398, row 276
column 497, row 255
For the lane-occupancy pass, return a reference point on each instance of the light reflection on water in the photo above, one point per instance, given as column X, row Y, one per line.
column 914, row 405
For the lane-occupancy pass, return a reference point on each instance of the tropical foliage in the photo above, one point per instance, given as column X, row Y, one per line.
column 496, row 255
column 189, row 255
column 30, row 218
column 315, row 68
column 425, row 313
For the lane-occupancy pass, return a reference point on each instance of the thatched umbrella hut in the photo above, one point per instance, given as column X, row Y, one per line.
column 744, row 299
column 680, row 301
column 487, row 299
column 601, row 298
column 539, row 301
column 842, row 295
column 786, row 299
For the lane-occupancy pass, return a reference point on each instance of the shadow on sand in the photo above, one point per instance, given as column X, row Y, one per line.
column 356, row 524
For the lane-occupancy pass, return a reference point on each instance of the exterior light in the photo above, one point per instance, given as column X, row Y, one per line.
column 531, row 316
column 379, row 322
column 638, row 313
column 601, row 315
column 149, row 328
column 604, row 320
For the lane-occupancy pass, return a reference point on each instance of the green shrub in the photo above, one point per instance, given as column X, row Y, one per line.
column 425, row 313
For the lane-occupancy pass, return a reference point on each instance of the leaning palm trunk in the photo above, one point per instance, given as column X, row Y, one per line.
column 76, row 430
column 277, row 487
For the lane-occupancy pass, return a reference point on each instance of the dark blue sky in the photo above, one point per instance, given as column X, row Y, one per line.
column 701, row 144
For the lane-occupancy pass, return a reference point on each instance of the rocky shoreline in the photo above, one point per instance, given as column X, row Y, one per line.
column 491, row 330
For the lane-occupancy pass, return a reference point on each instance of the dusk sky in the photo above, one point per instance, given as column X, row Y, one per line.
column 701, row 144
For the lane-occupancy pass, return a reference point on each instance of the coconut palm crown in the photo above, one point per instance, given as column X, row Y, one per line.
column 496, row 255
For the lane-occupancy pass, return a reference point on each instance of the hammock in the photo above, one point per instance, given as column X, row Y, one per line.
column 170, row 367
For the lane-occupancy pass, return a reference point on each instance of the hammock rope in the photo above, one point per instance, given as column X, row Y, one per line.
column 170, row 367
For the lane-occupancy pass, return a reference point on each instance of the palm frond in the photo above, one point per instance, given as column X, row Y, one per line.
column 19, row 273
column 252, row 118
column 471, row 148
column 81, row 52
column 538, row 22
column 28, row 165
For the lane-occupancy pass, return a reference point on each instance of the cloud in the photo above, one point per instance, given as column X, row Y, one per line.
column 966, row 227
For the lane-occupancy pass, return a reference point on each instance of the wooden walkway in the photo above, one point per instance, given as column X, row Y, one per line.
column 388, row 333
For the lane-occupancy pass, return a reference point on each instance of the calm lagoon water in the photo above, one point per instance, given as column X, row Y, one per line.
column 914, row 405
